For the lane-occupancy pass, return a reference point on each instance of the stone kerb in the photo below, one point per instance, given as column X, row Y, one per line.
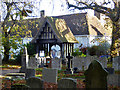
column 56, row 63
column 116, row 63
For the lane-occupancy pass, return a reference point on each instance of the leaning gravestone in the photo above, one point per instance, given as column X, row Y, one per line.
column 35, row 83
column 67, row 83
column 49, row 75
column 116, row 63
column 56, row 63
column 96, row 76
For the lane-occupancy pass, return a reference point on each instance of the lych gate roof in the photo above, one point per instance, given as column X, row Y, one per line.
column 62, row 30
column 59, row 28
column 76, row 22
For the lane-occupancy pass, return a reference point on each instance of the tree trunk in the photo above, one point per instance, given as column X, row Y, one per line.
column 6, row 53
column 6, row 48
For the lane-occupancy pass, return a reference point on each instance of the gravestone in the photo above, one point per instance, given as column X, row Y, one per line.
column 24, row 60
column 29, row 73
column 113, row 79
column 78, row 62
column 67, row 83
column 35, row 83
column 49, row 75
column 32, row 63
column 56, row 63
column 116, row 63
column 82, row 63
column 96, row 76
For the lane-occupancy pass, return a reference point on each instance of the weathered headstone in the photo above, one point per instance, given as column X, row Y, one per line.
column 49, row 75
column 32, row 63
column 35, row 83
column 56, row 63
column 96, row 76
column 116, row 63
column 29, row 73
column 67, row 83
column 24, row 61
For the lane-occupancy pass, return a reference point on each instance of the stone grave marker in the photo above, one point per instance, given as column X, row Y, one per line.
column 116, row 63
column 35, row 83
column 96, row 76
column 49, row 75
column 56, row 63
column 78, row 62
column 32, row 63
column 24, row 60
column 29, row 73
column 113, row 79
column 82, row 63
column 67, row 83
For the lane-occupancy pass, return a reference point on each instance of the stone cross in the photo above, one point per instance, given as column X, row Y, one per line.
column 69, row 63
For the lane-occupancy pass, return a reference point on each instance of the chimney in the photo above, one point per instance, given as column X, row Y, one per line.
column 42, row 13
column 97, row 14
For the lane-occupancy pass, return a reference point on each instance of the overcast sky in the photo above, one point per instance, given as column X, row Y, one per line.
column 57, row 7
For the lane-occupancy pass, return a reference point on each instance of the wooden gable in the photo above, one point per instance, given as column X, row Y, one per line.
column 47, row 35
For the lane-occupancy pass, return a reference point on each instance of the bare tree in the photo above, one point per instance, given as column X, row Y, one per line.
column 112, row 13
column 11, row 12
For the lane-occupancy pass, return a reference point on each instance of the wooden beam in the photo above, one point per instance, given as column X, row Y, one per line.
column 47, row 40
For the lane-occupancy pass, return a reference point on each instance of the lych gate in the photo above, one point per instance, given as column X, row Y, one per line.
column 54, row 32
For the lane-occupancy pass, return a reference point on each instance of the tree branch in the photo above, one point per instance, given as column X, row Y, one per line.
column 94, row 7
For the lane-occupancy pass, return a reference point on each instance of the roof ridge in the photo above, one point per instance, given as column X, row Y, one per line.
column 67, row 14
